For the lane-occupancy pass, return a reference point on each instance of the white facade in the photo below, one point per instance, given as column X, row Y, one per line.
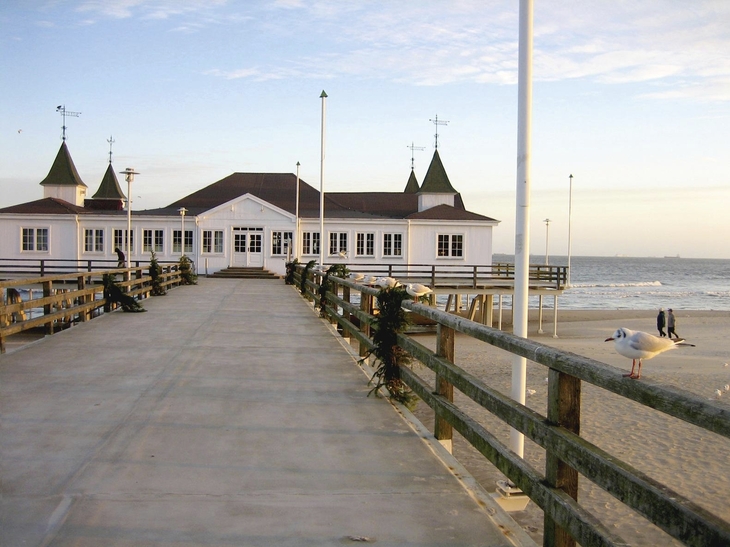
column 229, row 223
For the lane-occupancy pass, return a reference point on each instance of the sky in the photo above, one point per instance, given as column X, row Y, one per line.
column 630, row 97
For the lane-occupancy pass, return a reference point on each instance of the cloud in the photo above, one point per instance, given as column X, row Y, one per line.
column 147, row 9
column 651, row 43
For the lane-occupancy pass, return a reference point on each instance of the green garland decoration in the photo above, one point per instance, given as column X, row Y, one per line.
column 291, row 268
column 305, row 277
column 155, row 272
column 336, row 270
column 187, row 271
column 391, row 320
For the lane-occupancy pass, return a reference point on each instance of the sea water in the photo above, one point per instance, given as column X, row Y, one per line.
column 641, row 283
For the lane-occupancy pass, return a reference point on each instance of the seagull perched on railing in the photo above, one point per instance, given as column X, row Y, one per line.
column 641, row 345
column 387, row 282
column 417, row 290
column 356, row 276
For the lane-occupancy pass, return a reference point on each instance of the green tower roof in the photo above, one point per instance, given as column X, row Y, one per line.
column 63, row 171
column 109, row 187
column 412, row 186
column 436, row 180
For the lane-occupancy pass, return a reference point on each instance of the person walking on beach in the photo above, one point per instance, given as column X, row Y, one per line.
column 660, row 322
column 671, row 324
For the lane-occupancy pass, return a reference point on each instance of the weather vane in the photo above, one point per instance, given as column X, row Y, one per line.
column 62, row 109
column 413, row 148
column 436, row 122
column 111, row 142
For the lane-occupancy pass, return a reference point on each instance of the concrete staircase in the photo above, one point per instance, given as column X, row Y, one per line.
column 244, row 273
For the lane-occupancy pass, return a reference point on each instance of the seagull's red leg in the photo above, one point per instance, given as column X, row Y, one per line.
column 631, row 374
column 638, row 375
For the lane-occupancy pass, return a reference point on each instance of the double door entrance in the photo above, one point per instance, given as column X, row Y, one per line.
column 247, row 247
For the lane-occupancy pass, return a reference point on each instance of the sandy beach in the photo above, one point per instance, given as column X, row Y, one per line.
column 689, row 460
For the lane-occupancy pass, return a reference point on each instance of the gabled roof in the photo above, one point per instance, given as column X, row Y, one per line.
column 63, row 171
column 446, row 212
column 279, row 189
column 45, row 206
column 412, row 185
column 109, row 187
column 436, row 179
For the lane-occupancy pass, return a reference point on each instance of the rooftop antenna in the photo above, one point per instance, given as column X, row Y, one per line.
column 413, row 148
column 436, row 122
column 62, row 109
column 111, row 142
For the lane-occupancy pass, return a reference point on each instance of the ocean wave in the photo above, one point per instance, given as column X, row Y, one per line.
column 616, row 285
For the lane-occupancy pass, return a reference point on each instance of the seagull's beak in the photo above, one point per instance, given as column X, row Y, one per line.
column 608, row 339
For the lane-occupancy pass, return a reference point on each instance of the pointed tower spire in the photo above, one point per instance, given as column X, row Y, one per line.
column 412, row 186
column 436, row 188
column 436, row 179
column 63, row 180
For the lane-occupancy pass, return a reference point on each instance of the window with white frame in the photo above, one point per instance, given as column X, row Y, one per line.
column 120, row 240
column 35, row 239
column 310, row 243
column 212, row 241
column 338, row 242
column 392, row 244
column 280, row 242
column 365, row 244
column 450, row 245
column 93, row 240
column 176, row 236
column 153, row 240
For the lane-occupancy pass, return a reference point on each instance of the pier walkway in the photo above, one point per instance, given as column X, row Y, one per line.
column 226, row 415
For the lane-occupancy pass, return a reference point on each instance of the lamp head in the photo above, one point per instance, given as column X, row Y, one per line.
column 129, row 173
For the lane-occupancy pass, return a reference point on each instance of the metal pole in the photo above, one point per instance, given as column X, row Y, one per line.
column 182, row 211
column 323, row 96
column 522, row 228
column 547, row 241
column 129, row 173
column 296, row 241
column 129, row 220
column 570, row 214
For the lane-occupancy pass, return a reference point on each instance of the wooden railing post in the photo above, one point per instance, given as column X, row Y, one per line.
column 443, row 431
column 564, row 410
column 345, row 313
column 81, row 285
column 48, row 308
column 366, row 304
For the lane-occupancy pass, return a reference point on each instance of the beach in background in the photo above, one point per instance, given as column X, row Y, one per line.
column 687, row 459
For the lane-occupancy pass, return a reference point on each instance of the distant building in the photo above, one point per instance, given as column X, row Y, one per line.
column 249, row 219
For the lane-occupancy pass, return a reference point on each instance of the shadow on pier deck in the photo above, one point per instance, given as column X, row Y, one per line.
column 227, row 414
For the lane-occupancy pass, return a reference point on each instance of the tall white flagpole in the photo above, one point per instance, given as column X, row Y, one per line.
column 323, row 96
column 522, row 220
column 296, row 241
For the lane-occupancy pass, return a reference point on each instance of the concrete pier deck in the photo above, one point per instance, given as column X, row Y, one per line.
column 226, row 415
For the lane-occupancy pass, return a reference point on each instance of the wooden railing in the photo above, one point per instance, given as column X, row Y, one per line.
column 65, row 299
column 54, row 266
column 445, row 276
column 567, row 454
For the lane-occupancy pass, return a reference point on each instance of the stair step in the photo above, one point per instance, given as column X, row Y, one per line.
column 245, row 273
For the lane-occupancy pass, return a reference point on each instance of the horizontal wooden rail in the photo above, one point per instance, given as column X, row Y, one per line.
column 465, row 276
column 63, row 305
column 567, row 452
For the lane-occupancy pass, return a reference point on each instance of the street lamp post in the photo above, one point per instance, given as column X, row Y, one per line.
column 547, row 240
column 182, row 211
column 570, row 214
column 129, row 173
